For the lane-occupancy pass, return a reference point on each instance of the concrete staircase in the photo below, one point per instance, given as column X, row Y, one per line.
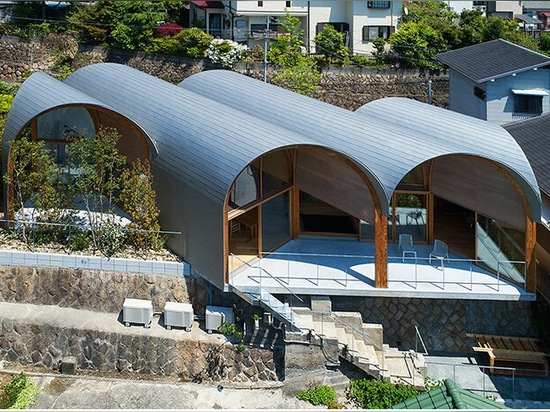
column 361, row 344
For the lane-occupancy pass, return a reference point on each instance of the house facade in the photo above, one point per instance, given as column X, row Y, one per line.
column 247, row 21
column 498, row 81
column 271, row 167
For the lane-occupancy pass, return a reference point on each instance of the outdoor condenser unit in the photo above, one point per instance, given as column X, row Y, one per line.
column 215, row 316
column 178, row 315
column 137, row 311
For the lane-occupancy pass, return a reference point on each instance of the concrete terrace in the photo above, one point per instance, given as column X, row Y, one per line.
column 345, row 267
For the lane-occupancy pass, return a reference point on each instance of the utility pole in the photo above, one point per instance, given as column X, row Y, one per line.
column 266, row 44
column 430, row 92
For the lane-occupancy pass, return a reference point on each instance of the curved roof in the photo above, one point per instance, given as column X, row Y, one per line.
column 201, row 140
column 435, row 132
column 371, row 144
column 391, row 135
column 39, row 94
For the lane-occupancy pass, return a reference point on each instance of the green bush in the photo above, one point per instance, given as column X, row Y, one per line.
column 377, row 394
column 230, row 330
column 19, row 393
column 319, row 395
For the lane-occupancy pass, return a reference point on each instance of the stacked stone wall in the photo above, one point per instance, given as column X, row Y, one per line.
column 442, row 323
column 45, row 346
column 347, row 87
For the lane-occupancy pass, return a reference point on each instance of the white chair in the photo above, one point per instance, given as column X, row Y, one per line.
column 406, row 245
column 440, row 251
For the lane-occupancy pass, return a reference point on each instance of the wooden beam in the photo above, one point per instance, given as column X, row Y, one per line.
column 380, row 250
column 530, row 255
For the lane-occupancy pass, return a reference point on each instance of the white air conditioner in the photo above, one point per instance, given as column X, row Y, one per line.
column 216, row 316
column 137, row 311
column 178, row 315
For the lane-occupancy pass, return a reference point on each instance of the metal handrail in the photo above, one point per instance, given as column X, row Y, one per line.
column 419, row 336
column 345, row 280
column 270, row 275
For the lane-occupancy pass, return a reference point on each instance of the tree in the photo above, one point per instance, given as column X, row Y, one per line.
column 287, row 50
column 100, row 166
column 126, row 25
column 330, row 43
column 34, row 180
column 193, row 42
column 301, row 78
column 138, row 199
column 416, row 45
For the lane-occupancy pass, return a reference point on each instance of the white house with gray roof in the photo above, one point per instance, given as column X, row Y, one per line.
column 498, row 81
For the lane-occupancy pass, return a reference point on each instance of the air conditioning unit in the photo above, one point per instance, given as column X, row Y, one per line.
column 178, row 315
column 216, row 316
column 137, row 311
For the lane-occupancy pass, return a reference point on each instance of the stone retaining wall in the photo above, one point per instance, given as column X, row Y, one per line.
column 348, row 87
column 443, row 323
column 45, row 346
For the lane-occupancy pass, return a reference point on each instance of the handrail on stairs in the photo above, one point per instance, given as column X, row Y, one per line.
column 417, row 337
column 349, row 325
column 270, row 275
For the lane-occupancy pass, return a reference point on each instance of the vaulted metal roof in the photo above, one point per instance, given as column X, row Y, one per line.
column 390, row 136
column 201, row 141
column 492, row 59
column 434, row 132
column 374, row 145
column 39, row 94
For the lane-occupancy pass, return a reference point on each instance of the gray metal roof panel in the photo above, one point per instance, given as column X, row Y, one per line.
column 367, row 143
column 38, row 94
column 532, row 135
column 435, row 132
column 491, row 60
column 209, row 158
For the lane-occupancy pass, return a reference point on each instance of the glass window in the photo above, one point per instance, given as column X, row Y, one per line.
column 378, row 4
column 411, row 215
column 527, row 104
column 276, row 171
column 246, row 188
column 372, row 32
column 413, row 179
column 275, row 222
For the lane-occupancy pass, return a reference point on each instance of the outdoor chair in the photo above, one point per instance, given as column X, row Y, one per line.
column 440, row 251
column 406, row 245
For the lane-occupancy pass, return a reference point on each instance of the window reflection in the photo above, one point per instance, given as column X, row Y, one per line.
column 410, row 215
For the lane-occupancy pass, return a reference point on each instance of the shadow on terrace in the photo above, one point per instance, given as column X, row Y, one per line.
column 340, row 266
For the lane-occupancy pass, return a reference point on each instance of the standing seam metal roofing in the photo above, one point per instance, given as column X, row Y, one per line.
column 368, row 143
column 39, row 94
column 391, row 135
column 202, row 141
column 439, row 131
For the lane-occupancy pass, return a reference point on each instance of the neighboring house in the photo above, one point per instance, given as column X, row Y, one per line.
column 498, row 81
column 504, row 9
column 247, row 21
column 539, row 10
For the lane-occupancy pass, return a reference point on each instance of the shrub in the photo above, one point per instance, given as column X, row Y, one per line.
column 376, row 394
column 193, row 42
column 226, row 52
column 19, row 393
column 319, row 395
